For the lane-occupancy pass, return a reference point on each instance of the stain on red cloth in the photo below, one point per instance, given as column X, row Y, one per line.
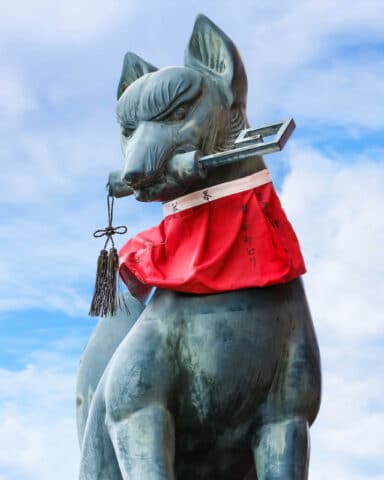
column 238, row 241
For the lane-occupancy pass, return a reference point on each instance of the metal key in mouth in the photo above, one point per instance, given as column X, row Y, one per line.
column 251, row 142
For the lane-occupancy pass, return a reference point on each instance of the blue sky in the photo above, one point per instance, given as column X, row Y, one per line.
column 321, row 62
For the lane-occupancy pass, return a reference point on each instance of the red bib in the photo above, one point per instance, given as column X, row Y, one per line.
column 215, row 241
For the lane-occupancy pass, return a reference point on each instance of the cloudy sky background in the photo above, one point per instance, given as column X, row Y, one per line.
column 321, row 62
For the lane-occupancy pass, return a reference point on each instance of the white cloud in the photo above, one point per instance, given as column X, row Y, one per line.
column 53, row 261
column 53, row 162
column 61, row 23
column 334, row 207
column 343, row 94
column 15, row 96
column 347, row 441
column 315, row 60
column 37, row 421
column 293, row 33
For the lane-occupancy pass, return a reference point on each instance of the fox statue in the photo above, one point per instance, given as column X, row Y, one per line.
column 217, row 378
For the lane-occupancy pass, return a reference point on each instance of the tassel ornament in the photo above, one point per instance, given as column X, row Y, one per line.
column 105, row 298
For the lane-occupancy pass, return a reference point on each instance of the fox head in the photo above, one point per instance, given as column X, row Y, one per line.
column 169, row 111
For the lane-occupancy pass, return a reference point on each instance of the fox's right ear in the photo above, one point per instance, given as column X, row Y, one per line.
column 134, row 67
column 213, row 53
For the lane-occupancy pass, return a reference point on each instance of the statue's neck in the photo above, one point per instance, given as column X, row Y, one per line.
column 227, row 173
column 238, row 122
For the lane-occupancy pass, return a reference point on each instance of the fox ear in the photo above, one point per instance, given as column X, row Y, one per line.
column 212, row 52
column 134, row 67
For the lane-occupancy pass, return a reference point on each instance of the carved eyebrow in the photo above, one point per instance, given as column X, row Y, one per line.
column 156, row 94
column 184, row 101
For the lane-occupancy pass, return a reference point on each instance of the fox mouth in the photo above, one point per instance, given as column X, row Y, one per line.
column 148, row 180
column 162, row 187
column 161, row 191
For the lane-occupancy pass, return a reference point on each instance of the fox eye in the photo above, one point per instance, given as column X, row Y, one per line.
column 178, row 114
column 126, row 132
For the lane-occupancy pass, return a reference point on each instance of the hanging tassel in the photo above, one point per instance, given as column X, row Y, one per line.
column 110, row 305
column 97, row 300
column 104, row 301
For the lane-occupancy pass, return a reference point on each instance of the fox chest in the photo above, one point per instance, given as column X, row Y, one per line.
column 225, row 350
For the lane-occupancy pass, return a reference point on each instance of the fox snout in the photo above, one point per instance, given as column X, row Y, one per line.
column 146, row 153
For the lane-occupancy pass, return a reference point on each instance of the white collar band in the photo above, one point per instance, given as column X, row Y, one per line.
column 215, row 192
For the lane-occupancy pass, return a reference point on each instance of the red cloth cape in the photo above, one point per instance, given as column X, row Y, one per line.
column 238, row 241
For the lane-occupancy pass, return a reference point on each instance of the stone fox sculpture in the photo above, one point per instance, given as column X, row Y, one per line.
column 204, row 386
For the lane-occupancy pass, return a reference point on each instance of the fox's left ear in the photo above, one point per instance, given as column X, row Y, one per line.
column 134, row 67
column 212, row 52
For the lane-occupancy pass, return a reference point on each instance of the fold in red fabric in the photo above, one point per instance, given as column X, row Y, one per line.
column 238, row 241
